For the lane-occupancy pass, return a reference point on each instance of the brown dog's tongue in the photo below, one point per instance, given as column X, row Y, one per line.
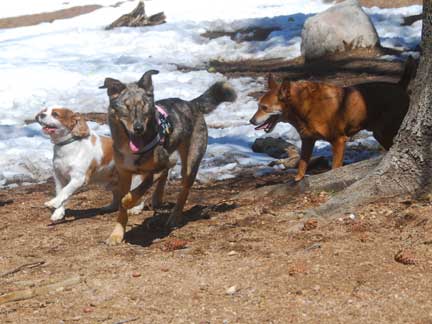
column 262, row 126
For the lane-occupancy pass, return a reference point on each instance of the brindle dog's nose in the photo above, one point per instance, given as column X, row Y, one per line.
column 138, row 128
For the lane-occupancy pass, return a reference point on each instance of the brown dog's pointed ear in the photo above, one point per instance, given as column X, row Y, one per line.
column 272, row 84
column 284, row 90
column 80, row 129
column 146, row 81
column 114, row 87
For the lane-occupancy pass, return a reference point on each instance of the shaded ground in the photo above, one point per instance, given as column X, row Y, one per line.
column 344, row 272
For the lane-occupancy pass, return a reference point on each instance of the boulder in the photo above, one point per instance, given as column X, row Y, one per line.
column 275, row 147
column 343, row 27
column 287, row 154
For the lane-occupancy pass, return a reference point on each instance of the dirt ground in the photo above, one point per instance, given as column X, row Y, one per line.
column 238, row 259
column 339, row 272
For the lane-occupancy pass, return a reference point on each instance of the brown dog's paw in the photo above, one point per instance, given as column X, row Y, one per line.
column 175, row 220
column 127, row 201
column 298, row 178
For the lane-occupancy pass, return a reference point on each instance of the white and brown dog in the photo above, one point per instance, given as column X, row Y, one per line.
column 80, row 157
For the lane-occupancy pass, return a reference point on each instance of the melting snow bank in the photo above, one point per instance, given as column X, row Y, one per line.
column 63, row 63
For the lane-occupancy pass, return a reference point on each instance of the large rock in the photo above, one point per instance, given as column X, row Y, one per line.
column 287, row 154
column 345, row 26
column 275, row 147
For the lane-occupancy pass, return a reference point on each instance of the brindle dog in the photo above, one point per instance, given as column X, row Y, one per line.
column 134, row 120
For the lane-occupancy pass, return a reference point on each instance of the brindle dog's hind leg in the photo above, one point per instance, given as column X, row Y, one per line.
column 191, row 156
column 117, row 234
column 157, row 197
column 133, row 197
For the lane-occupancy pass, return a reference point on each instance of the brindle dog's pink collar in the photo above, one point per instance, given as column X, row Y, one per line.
column 158, row 138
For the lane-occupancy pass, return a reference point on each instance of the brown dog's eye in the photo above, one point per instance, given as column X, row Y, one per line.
column 54, row 114
column 264, row 108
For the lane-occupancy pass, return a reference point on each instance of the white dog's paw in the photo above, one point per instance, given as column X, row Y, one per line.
column 53, row 203
column 58, row 214
column 49, row 204
column 136, row 209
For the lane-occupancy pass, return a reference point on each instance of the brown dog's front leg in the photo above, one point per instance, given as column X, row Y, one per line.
column 305, row 155
column 338, row 147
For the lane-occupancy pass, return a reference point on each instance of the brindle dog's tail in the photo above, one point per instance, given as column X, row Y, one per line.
column 215, row 95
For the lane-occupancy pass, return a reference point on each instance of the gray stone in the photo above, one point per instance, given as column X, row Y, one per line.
column 275, row 147
column 343, row 27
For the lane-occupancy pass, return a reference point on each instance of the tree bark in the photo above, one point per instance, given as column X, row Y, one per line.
column 407, row 166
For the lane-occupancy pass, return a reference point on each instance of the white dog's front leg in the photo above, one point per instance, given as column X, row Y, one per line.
column 58, row 189
column 65, row 193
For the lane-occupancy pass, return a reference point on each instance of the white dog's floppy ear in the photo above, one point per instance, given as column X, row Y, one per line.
column 114, row 87
column 80, row 129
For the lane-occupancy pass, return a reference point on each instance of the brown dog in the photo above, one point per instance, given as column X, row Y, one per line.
column 321, row 111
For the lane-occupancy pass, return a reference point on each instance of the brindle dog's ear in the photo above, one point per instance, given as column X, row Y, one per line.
column 80, row 129
column 146, row 82
column 284, row 90
column 272, row 84
column 114, row 87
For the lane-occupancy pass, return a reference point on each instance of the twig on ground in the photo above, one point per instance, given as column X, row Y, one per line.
column 33, row 292
column 127, row 320
column 24, row 266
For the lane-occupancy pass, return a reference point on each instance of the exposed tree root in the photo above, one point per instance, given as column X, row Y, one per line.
column 333, row 180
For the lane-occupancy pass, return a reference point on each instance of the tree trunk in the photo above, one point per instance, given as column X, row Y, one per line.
column 407, row 167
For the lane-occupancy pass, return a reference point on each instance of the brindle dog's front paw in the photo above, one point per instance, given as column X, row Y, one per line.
column 116, row 236
column 127, row 201
column 114, row 239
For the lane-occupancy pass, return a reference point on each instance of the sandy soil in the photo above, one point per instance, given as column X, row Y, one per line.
column 342, row 272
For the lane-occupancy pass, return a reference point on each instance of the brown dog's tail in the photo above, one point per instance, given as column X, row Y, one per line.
column 409, row 72
column 214, row 96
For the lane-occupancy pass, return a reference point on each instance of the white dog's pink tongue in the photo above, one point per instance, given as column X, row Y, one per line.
column 133, row 147
column 49, row 130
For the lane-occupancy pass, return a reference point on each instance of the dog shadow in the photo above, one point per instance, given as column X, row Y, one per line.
column 154, row 228
column 77, row 214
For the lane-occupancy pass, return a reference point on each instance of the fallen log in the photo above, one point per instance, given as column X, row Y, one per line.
column 138, row 18
column 38, row 291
